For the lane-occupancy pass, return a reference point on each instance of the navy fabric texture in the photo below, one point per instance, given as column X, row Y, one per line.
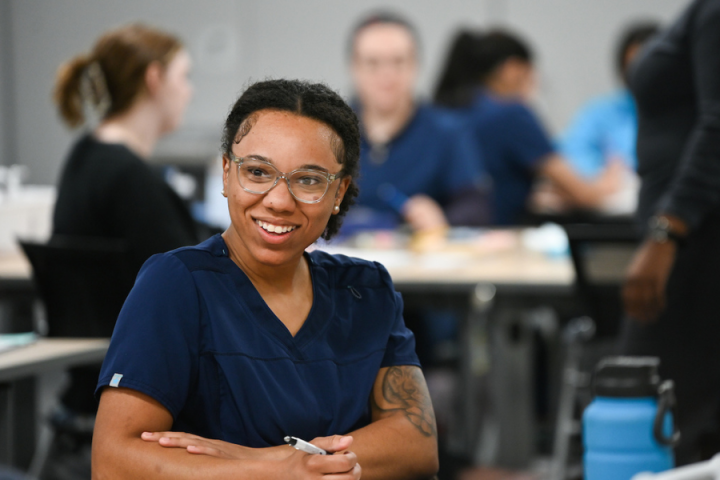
column 513, row 144
column 195, row 335
column 433, row 155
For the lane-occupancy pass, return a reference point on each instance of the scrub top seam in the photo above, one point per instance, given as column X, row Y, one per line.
column 275, row 359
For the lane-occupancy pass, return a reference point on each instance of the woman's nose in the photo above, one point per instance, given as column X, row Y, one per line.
column 279, row 197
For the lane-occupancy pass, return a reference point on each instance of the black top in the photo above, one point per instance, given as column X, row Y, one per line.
column 676, row 82
column 108, row 191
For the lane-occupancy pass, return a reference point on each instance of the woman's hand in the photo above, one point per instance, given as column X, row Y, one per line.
column 214, row 448
column 342, row 465
column 646, row 280
column 218, row 448
column 423, row 213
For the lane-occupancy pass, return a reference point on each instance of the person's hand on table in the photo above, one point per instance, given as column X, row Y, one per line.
column 423, row 213
column 344, row 464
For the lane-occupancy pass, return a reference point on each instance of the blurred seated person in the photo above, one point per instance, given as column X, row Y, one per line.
column 417, row 165
column 135, row 81
column 130, row 90
column 490, row 79
column 605, row 129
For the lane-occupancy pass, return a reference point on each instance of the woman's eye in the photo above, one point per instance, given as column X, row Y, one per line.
column 309, row 180
column 257, row 172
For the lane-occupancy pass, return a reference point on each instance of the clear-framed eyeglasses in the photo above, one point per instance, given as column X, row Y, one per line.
column 259, row 177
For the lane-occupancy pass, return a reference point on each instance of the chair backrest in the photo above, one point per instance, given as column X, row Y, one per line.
column 601, row 253
column 83, row 282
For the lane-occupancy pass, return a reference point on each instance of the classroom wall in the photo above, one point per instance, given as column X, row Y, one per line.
column 6, row 90
column 233, row 41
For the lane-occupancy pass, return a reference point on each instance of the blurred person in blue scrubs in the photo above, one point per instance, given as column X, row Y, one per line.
column 418, row 165
column 606, row 127
column 490, row 79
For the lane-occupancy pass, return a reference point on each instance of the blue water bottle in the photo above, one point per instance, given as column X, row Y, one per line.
column 628, row 427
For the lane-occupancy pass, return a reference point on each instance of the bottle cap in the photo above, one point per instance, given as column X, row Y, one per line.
column 627, row 377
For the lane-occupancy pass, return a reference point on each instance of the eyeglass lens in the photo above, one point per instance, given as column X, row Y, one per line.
column 259, row 177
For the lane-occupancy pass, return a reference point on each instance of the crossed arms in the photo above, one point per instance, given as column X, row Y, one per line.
column 131, row 440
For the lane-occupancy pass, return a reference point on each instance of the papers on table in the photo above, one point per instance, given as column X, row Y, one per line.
column 9, row 341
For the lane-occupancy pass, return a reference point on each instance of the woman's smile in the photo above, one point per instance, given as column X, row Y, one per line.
column 274, row 232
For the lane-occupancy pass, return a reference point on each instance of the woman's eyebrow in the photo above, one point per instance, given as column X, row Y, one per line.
column 258, row 157
column 307, row 166
column 310, row 166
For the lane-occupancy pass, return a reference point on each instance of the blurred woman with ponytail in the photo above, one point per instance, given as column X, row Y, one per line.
column 131, row 89
column 490, row 79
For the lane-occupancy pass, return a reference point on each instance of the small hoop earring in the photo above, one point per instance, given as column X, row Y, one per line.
column 336, row 209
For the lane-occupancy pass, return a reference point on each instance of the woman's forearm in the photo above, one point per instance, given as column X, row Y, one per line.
column 401, row 441
column 121, row 450
column 115, row 458
column 394, row 448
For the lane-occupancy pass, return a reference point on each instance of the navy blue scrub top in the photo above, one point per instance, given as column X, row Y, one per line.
column 434, row 155
column 195, row 335
column 513, row 143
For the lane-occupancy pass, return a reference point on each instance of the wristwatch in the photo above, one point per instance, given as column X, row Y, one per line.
column 660, row 231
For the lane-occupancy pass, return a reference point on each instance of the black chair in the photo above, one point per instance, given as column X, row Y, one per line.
column 83, row 283
column 600, row 253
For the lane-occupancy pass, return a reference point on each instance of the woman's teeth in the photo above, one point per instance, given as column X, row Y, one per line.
column 269, row 227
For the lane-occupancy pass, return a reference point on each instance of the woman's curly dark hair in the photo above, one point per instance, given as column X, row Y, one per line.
column 311, row 100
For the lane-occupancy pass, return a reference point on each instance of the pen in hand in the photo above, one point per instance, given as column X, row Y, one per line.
column 304, row 446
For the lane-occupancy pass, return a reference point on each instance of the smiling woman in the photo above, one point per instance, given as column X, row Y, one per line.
column 225, row 348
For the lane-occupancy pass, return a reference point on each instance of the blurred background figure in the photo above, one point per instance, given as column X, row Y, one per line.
column 489, row 78
column 671, row 290
column 416, row 166
column 133, row 86
column 604, row 130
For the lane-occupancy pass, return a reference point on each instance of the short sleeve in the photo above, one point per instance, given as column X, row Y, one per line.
column 581, row 143
column 529, row 143
column 155, row 348
column 400, row 348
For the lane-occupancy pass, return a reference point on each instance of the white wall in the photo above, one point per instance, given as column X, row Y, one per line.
column 233, row 41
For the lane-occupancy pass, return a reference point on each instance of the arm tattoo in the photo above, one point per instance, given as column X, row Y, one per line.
column 404, row 390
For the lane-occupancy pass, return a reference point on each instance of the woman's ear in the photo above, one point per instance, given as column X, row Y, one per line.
column 342, row 188
column 226, row 174
column 154, row 77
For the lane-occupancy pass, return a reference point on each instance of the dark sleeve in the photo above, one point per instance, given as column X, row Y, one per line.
column 696, row 189
column 150, row 215
column 400, row 348
column 154, row 348
column 467, row 184
column 529, row 143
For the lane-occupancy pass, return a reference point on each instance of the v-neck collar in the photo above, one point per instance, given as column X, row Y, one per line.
column 263, row 316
